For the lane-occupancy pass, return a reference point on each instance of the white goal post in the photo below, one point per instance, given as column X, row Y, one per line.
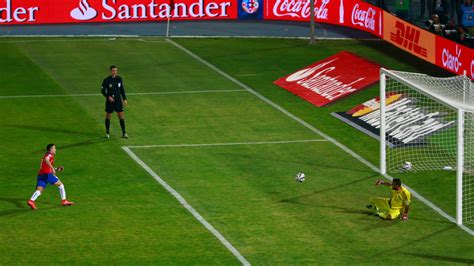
column 427, row 126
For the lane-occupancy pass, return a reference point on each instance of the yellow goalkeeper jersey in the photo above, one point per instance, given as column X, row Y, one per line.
column 400, row 198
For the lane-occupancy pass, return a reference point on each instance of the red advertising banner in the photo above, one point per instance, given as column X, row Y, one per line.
column 454, row 57
column 408, row 37
column 77, row 11
column 331, row 79
column 350, row 13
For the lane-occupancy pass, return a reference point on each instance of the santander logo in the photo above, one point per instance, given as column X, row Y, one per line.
column 300, row 9
column 84, row 11
column 319, row 80
column 364, row 18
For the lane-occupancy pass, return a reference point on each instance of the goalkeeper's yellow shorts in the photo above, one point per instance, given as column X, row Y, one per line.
column 383, row 208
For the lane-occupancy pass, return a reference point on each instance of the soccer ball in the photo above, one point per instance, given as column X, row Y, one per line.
column 407, row 166
column 300, row 177
column 447, row 168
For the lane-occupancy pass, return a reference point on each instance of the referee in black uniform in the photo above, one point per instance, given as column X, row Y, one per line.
column 114, row 92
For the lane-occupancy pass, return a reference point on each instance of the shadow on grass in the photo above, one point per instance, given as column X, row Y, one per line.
column 21, row 206
column 431, row 221
column 50, row 129
column 441, row 258
column 395, row 250
column 19, row 203
column 297, row 200
column 273, row 159
column 419, row 65
column 85, row 143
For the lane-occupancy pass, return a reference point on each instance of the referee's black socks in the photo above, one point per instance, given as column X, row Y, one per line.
column 107, row 125
column 122, row 125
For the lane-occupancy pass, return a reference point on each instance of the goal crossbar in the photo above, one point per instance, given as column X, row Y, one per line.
column 442, row 100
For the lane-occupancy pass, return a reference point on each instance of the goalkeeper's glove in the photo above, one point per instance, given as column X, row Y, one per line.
column 379, row 182
column 405, row 216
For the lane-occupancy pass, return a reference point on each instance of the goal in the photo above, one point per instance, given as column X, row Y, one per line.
column 429, row 128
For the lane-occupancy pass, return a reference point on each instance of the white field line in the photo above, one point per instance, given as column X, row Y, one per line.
column 315, row 130
column 45, row 37
column 229, row 144
column 188, row 207
column 248, row 75
column 131, row 93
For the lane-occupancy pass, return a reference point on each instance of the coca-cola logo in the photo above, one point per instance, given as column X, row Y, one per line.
column 452, row 61
column 364, row 18
column 301, row 8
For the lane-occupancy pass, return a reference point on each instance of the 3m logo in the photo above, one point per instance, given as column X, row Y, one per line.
column 408, row 37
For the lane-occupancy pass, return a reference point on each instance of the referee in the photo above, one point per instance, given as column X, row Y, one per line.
column 114, row 92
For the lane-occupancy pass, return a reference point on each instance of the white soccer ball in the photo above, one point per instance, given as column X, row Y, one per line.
column 407, row 166
column 300, row 177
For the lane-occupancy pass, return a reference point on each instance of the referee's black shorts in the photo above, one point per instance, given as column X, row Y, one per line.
column 116, row 106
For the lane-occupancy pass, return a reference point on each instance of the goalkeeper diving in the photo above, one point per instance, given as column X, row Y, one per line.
column 394, row 207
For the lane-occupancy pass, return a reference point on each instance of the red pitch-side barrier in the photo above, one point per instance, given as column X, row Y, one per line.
column 349, row 13
column 80, row 11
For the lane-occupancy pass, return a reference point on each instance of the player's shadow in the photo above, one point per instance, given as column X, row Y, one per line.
column 441, row 258
column 20, row 205
column 273, row 159
column 50, row 129
column 84, row 143
column 297, row 200
column 431, row 221
column 391, row 250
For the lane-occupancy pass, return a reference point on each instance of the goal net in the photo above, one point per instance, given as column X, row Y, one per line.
column 427, row 125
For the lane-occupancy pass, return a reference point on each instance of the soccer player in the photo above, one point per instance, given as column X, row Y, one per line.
column 115, row 99
column 47, row 174
column 398, row 205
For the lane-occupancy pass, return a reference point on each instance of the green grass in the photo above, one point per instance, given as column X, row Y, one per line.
column 246, row 192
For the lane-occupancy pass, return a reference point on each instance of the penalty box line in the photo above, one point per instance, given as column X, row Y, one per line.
column 228, row 143
column 131, row 93
column 180, row 198
column 317, row 131
column 187, row 206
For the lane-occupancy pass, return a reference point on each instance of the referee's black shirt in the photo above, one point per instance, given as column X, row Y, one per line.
column 113, row 87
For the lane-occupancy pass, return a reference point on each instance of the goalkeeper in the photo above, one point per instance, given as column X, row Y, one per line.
column 397, row 206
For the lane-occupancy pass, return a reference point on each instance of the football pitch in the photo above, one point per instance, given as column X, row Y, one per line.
column 207, row 176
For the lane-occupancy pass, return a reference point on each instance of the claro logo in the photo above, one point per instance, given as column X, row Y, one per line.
column 18, row 14
column 472, row 69
column 408, row 37
column 452, row 61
